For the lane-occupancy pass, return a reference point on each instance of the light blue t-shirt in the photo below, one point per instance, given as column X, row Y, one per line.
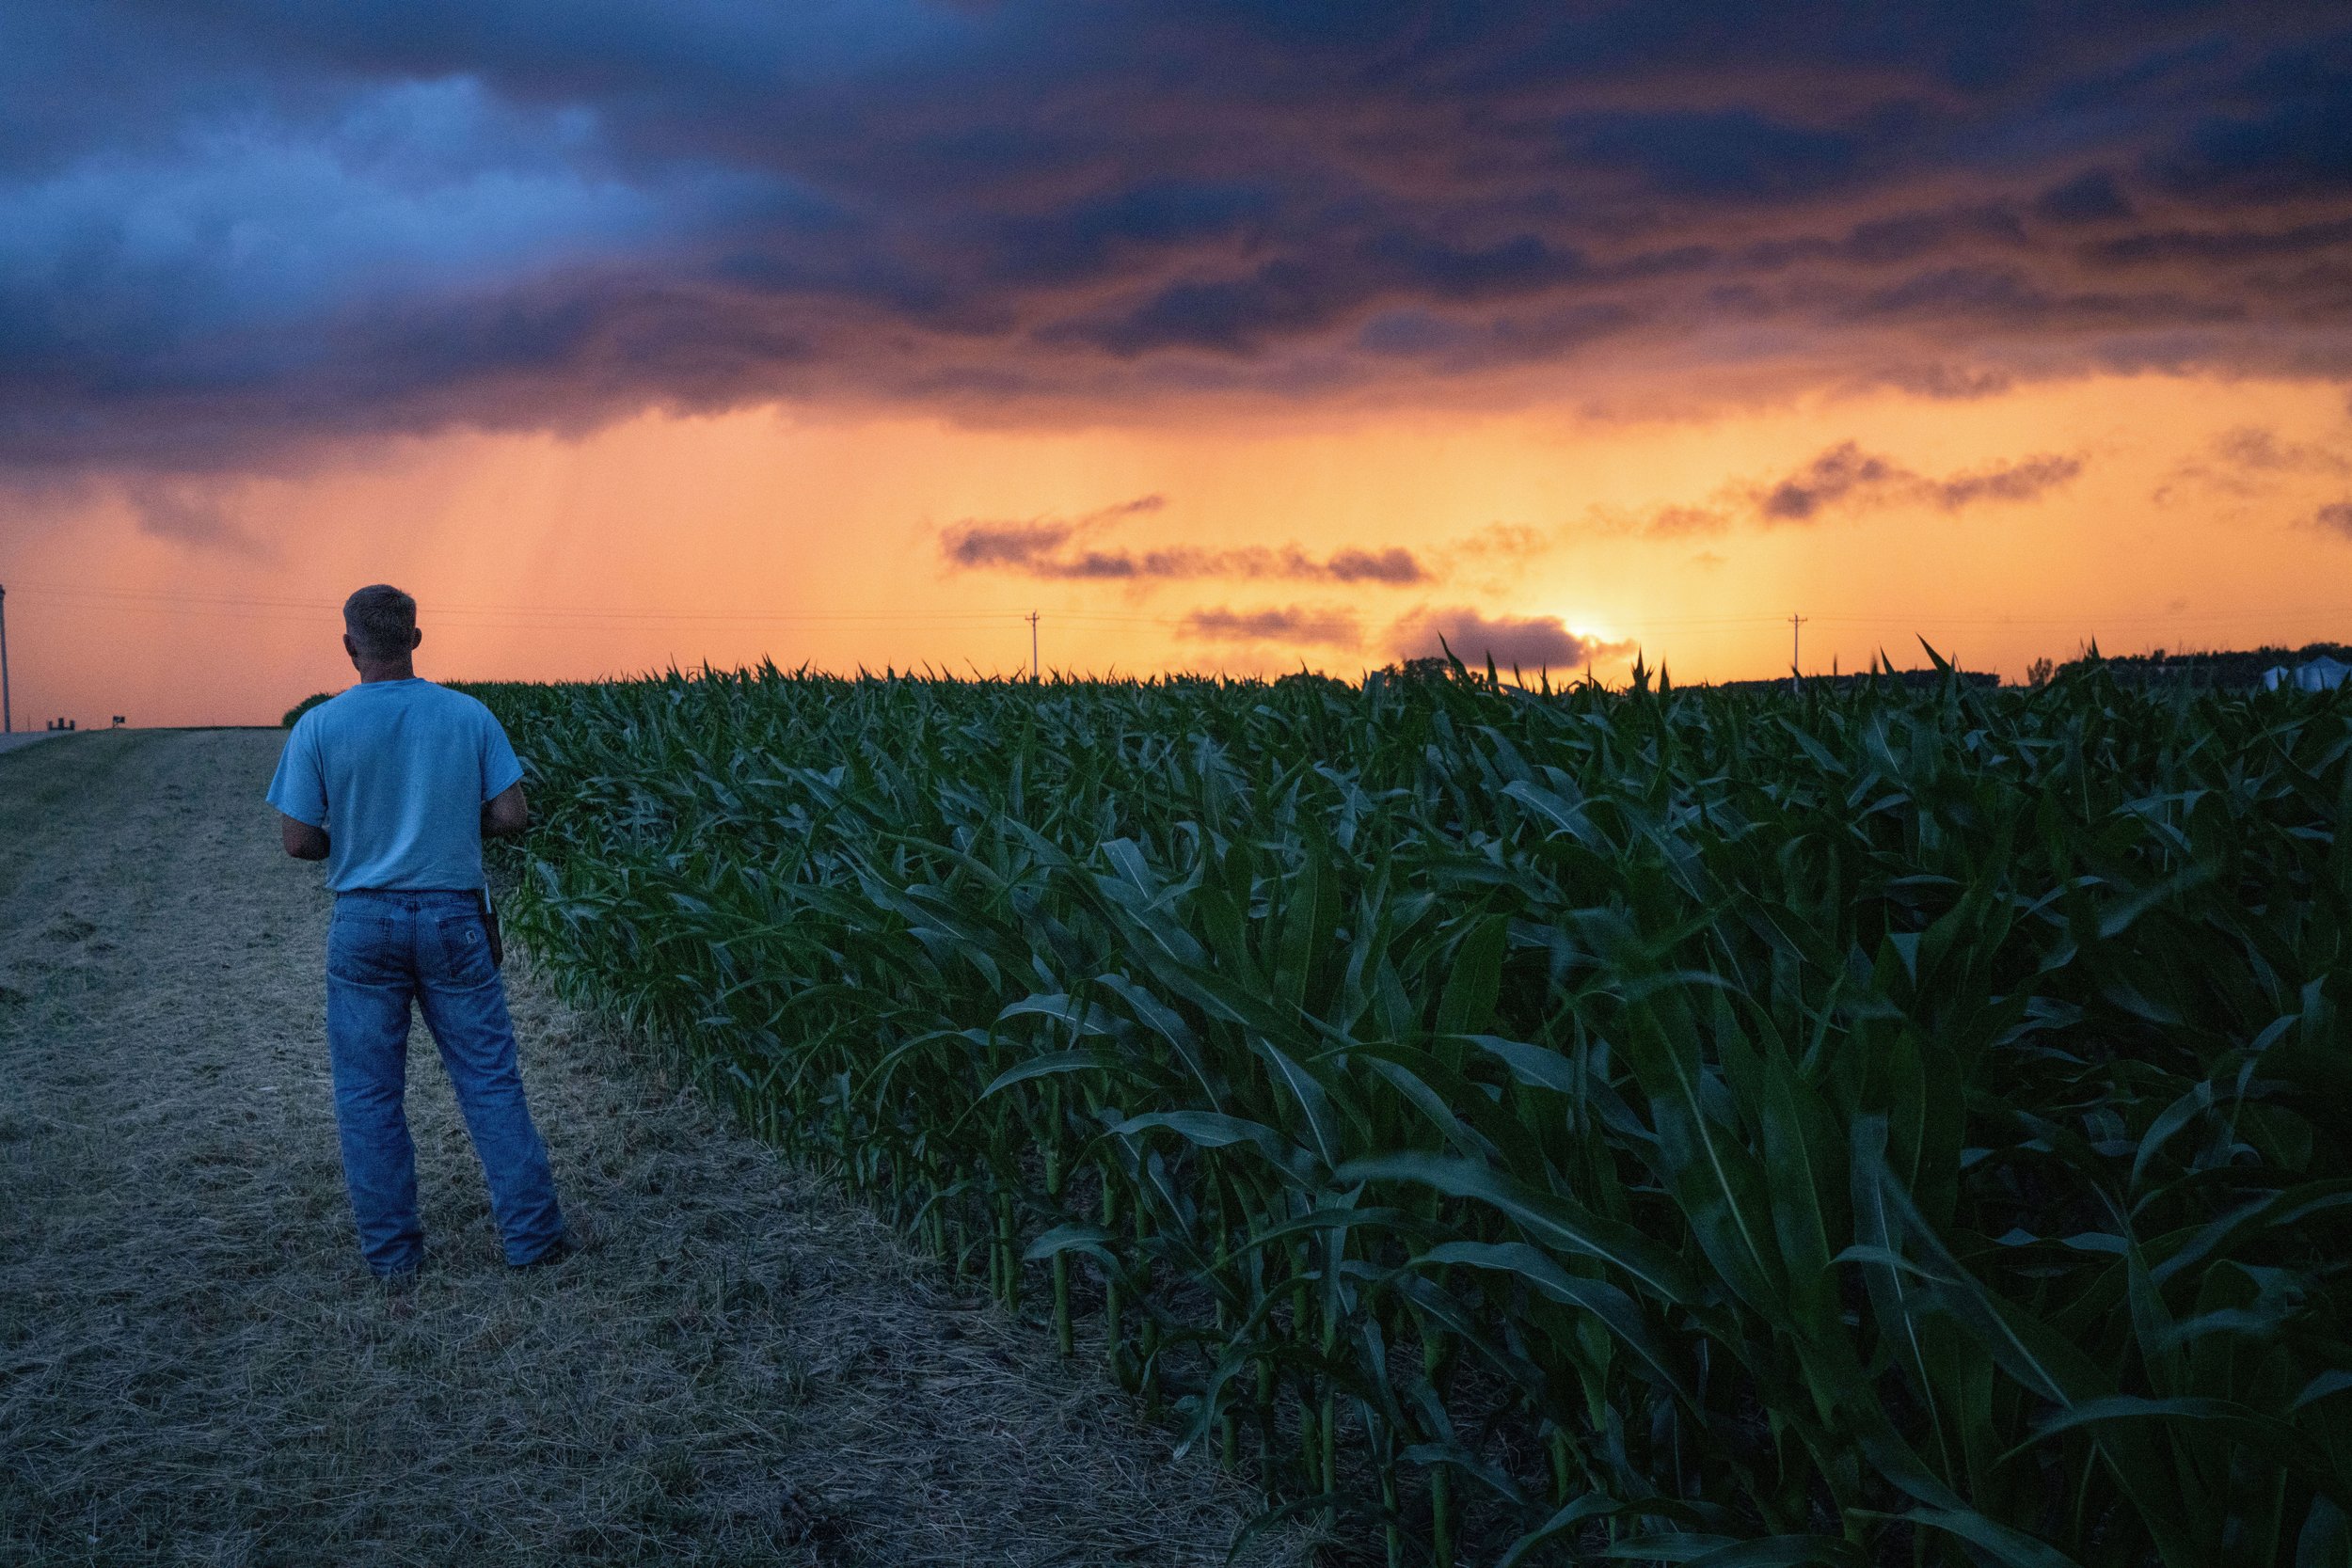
column 397, row 772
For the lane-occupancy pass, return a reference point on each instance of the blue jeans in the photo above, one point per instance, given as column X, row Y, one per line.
column 383, row 950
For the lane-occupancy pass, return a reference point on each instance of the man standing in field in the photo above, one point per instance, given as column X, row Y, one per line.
column 395, row 784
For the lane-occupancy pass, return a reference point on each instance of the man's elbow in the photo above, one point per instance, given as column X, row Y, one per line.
column 303, row 841
column 508, row 815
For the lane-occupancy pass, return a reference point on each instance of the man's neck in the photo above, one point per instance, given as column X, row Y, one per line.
column 373, row 670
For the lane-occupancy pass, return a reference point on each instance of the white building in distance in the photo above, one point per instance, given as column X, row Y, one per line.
column 2321, row 675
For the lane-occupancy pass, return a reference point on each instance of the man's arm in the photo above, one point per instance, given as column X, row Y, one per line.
column 299, row 790
column 507, row 814
column 302, row 841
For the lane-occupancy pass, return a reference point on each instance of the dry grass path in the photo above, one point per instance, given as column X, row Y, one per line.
column 194, row 1368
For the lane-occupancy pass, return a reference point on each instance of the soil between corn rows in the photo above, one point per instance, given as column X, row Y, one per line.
column 194, row 1368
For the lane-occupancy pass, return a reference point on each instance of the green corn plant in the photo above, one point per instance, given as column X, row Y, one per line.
column 1884, row 1122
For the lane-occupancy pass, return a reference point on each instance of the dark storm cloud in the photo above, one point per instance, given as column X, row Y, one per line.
column 1050, row 549
column 2091, row 197
column 227, row 226
column 2280, row 129
column 2336, row 517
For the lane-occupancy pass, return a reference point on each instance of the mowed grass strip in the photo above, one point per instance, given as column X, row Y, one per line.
column 196, row 1368
column 1846, row 1126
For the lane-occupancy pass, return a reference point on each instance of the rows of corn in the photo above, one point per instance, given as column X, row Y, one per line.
column 1847, row 1127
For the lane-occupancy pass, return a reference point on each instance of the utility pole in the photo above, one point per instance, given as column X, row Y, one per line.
column 7, row 719
column 1796, row 644
column 1032, row 620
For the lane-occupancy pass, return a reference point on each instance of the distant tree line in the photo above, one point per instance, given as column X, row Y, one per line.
column 2227, row 669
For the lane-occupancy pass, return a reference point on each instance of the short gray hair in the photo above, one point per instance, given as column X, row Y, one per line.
column 382, row 619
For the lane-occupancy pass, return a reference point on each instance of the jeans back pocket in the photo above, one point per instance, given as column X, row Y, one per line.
column 360, row 949
column 465, row 949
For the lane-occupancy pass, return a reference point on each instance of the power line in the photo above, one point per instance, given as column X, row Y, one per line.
column 484, row 616
column 510, row 614
column 246, row 607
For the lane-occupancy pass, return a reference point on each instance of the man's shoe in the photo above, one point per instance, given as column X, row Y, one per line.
column 404, row 1279
column 567, row 1245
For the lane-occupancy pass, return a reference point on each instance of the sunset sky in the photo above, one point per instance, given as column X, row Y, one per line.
column 1238, row 337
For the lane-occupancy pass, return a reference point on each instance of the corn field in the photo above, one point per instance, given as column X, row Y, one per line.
column 1854, row 1127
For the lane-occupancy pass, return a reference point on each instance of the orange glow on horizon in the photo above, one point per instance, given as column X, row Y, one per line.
column 782, row 534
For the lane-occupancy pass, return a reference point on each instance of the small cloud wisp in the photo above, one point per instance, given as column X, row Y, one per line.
column 1050, row 550
column 1291, row 626
column 1844, row 479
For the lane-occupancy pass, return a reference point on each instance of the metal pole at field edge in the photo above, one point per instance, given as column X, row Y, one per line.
column 8, row 720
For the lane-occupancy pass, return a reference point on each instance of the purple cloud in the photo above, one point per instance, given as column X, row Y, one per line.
column 1530, row 644
column 1011, row 545
column 2259, row 450
column 1847, row 476
column 2022, row 481
column 1830, row 477
column 1052, row 550
column 1392, row 565
column 1294, row 626
column 2250, row 462
column 1844, row 478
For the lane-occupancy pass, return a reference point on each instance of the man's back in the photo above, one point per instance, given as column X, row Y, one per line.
column 403, row 767
column 393, row 785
